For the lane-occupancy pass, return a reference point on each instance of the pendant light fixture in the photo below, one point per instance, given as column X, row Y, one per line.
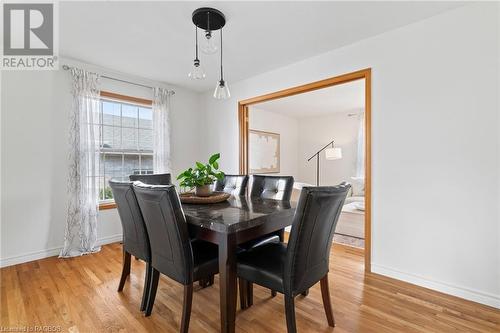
column 209, row 46
column 210, row 20
column 197, row 72
column 221, row 89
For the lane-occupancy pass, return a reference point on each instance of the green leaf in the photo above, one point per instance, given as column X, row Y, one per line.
column 214, row 158
column 216, row 165
column 200, row 166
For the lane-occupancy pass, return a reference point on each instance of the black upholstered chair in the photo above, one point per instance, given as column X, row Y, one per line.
column 269, row 187
column 232, row 184
column 172, row 252
column 165, row 179
column 154, row 179
column 291, row 269
column 135, row 237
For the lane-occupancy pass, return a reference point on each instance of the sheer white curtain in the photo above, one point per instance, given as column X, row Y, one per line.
column 360, row 157
column 81, row 225
column 161, row 130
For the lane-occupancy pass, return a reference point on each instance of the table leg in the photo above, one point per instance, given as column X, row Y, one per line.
column 281, row 234
column 227, row 278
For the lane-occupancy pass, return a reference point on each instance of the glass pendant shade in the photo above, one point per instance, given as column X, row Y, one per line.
column 197, row 72
column 208, row 46
column 222, row 90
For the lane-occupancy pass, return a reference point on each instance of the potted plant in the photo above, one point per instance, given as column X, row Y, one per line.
column 202, row 176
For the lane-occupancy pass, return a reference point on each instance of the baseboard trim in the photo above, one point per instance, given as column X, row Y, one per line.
column 110, row 239
column 36, row 255
column 446, row 288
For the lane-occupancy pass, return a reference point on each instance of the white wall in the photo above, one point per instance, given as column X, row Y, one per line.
column 287, row 128
column 314, row 133
column 35, row 106
column 435, row 145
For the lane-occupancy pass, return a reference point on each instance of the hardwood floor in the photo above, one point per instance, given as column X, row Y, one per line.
column 79, row 295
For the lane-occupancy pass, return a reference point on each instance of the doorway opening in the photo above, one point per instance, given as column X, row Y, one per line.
column 330, row 120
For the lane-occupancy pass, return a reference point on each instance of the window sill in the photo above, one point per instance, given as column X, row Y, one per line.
column 107, row 205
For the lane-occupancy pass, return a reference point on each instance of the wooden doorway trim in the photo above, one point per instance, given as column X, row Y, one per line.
column 358, row 75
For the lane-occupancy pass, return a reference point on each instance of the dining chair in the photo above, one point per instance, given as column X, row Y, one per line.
column 271, row 187
column 166, row 179
column 172, row 252
column 232, row 184
column 154, row 179
column 268, row 187
column 295, row 267
column 135, row 237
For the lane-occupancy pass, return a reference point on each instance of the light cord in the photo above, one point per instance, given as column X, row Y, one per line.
column 221, row 72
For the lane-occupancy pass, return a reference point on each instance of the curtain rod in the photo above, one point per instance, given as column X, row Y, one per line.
column 66, row 67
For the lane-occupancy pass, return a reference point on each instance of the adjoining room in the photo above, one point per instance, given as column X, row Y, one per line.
column 318, row 137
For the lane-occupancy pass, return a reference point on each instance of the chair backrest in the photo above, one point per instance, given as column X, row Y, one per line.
column 314, row 223
column 155, row 179
column 232, row 184
column 171, row 252
column 135, row 236
column 271, row 187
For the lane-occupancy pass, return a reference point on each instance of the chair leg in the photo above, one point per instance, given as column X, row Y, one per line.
column 290, row 314
column 125, row 270
column 325, row 293
column 206, row 282
column 249, row 300
column 147, row 284
column 273, row 293
column 243, row 285
column 155, row 276
column 186, row 309
column 305, row 293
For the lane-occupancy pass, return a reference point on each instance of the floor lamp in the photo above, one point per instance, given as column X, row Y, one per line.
column 331, row 153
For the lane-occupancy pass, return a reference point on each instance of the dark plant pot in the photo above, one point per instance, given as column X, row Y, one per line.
column 203, row 191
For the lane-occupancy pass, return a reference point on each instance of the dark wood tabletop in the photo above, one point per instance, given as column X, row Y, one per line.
column 236, row 214
column 229, row 223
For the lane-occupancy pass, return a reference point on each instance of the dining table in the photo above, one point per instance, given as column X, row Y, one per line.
column 228, row 224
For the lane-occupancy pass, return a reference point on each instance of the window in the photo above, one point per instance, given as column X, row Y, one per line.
column 126, row 146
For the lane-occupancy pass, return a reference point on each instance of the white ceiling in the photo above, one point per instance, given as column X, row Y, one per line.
column 347, row 97
column 155, row 40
